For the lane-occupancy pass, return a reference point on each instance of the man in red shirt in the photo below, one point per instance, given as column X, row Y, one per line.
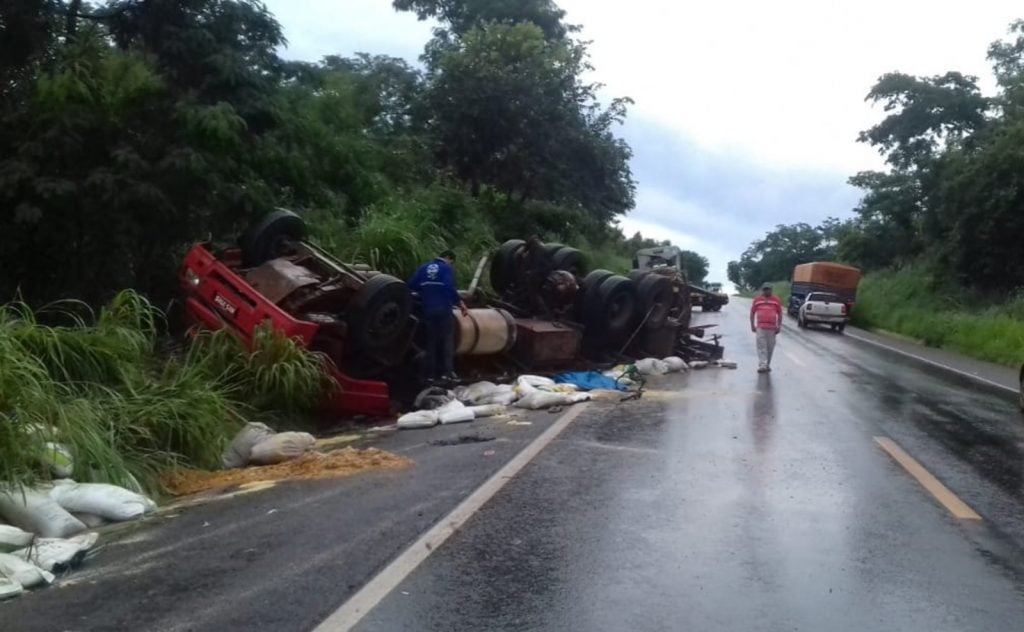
column 766, row 322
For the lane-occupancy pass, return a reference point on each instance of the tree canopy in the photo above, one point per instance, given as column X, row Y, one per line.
column 131, row 128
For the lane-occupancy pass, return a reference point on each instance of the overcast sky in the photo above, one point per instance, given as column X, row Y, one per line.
column 746, row 112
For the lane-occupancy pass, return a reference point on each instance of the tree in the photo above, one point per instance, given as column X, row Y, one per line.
column 927, row 113
column 774, row 257
column 509, row 110
column 734, row 272
column 461, row 16
column 695, row 265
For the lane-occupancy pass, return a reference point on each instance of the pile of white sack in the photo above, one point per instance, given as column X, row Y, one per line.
column 649, row 367
column 258, row 444
column 486, row 399
column 46, row 530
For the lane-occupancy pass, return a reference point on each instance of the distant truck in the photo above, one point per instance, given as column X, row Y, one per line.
column 710, row 299
column 823, row 276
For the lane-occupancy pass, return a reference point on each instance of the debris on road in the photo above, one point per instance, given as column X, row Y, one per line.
column 309, row 466
column 283, row 446
column 109, row 502
column 258, row 444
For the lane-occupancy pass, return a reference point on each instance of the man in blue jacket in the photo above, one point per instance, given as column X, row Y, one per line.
column 435, row 284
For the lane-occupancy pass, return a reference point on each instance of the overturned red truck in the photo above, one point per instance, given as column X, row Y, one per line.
column 547, row 311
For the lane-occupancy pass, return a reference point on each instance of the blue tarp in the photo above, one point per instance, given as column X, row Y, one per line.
column 589, row 381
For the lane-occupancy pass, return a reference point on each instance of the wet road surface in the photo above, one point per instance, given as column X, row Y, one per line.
column 737, row 501
column 723, row 500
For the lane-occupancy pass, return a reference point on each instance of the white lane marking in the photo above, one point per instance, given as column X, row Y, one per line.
column 366, row 599
column 797, row 361
column 933, row 363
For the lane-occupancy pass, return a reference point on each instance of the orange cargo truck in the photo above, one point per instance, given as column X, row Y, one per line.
column 823, row 276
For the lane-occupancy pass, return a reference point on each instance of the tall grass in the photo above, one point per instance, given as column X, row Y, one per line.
column 912, row 303
column 399, row 233
column 97, row 386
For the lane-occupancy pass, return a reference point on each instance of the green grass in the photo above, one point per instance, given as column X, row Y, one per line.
column 97, row 385
column 909, row 302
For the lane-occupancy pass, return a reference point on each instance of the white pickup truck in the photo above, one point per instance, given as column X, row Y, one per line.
column 825, row 309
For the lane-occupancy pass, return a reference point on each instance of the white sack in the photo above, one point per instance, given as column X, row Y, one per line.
column 457, row 416
column 57, row 457
column 652, row 366
column 12, row 538
column 90, row 520
column 107, row 501
column 676, row 364
column 535, row 381
column 418, row 419
column 699, row 364
column 539, row 399
column 488, row 410
column 9, row 588
column 25, row 573
column 240, row 449
column 282, row 447
column 58, row 553
column 501, row 399
column 35, row 511
column 476, row 393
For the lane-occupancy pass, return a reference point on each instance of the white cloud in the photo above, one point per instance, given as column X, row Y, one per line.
column 315, row 28
column 780, row 82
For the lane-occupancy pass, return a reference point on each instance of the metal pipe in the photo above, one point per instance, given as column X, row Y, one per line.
column 479, row 272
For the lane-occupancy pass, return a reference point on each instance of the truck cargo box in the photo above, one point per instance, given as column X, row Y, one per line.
column 823, row 276
column 833, row 275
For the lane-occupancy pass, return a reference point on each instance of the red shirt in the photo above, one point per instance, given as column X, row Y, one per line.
column 767, row 312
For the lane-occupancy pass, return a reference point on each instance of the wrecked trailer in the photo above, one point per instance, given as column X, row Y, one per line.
column 550, row 313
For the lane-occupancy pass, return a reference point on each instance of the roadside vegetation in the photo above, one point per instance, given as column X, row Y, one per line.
column 938, row 233
column 99, row 387
column 131, row 129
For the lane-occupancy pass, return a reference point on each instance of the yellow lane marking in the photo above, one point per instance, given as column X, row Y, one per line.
column 797, row 361
column 949, row 500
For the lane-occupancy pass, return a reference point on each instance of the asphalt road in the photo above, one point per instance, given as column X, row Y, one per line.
column 738, row 501
column 723, row 500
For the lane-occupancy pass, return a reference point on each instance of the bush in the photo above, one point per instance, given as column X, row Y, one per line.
column 912, row 303
column 124, row 412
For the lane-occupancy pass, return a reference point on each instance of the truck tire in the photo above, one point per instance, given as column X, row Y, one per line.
column 637, row 275
column 589, row 287
column 612, row 308
column 379, row 313
column 503, row 266
column 840, row 328
column 656, row 296
column 801, row 322
column 570, row 260
column 270, row 237
column 551, row 249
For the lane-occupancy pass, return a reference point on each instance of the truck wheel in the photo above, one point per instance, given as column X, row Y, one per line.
column 636, row 276
column 801, row 322
column 841, row 327
column 616, row 307
column 503, row 266
column 656, row 296
column 270, row 237
column 379, row 313
column 570, row 260
column 589, row 287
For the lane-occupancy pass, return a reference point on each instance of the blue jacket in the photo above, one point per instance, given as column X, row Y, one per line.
column 435, row 283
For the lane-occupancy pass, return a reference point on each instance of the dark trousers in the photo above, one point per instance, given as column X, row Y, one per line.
column 440, row 344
